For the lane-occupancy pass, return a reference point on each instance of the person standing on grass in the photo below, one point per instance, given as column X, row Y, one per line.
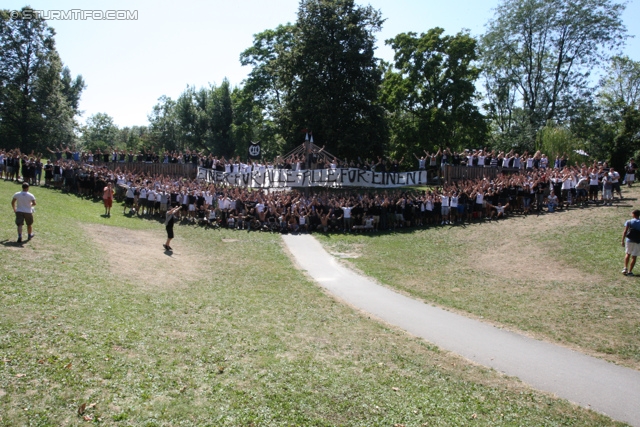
column 22, row 204
column 630, row 169
column 107, row 198
column 168, row 222
column 631, row 242
column 614, row 177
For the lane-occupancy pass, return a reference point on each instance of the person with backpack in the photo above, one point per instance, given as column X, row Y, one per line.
column 631, row 242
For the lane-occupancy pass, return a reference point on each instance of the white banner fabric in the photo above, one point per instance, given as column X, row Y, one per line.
column 329, row 178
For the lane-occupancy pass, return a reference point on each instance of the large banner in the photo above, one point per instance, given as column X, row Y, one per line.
column 330, row 178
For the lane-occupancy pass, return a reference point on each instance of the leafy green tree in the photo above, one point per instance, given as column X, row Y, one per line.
column 134, row 138
column 219, row 113
column 431, row 92
column 100, row 132
column 251, row 125
column 558, row 140
column 321, row 74
column 337, row 77
column 606, row 124
column 589, row 126
column 163, row 125
column 538, row 56
column 619, row 101
column 626, row 144
column 38, row 96
column 198, row 120
column 620, row 86
column 269, row 81
column 72, row 88
column 261, row 112
column 190, row 115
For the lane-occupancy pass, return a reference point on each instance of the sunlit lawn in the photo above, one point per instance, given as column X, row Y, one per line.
column 555, row 276
column 242, row 340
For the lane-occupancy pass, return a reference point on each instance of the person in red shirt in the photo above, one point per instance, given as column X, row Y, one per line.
column 107, row 198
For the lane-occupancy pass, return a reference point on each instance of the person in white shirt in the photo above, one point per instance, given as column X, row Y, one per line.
column 615, row 180
column 422, row 162
column 151, row 201
column 208, row 199
column 568, row 186
column 594, row 184
column 164, row 201
column 142, row 200
column 346, row 216
column 481, row 158
column 23, row 203
column 497, row 211
column 445, row 208
column 453, row 208
column 630, row 172
column 544, row 162
column 129, row 198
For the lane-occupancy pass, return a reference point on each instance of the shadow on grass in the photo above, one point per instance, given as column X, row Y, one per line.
column 12, row 243
column 481, row 222
column 463, row 225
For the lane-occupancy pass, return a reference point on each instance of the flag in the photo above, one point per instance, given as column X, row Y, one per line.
column 255, row 150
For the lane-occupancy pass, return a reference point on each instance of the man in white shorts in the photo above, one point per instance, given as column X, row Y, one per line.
column 631, row 242
column 22, row 204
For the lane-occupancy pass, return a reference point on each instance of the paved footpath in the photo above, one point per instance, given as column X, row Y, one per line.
column 585, row 380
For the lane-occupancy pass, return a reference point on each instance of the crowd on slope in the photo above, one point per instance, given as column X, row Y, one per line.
column 64, row 156
column 537, row 186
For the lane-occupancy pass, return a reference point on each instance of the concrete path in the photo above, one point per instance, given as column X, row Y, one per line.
column 587, row 381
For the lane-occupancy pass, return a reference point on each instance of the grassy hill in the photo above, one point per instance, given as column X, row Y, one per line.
column 555, row 276
column 99, row 325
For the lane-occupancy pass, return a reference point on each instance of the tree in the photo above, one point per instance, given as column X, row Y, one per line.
column 558, row 140
column 133, row 138
column 261, row 111
column 627, row 141
column 432, row 93
column 620, row 88
column 191, row 119
column 163, row 124
column 38, row 96
column 269, row 81
column 100, row 132
column 199, row 120
column 321, row 74
column 337, row 77
column 619, row 101
column 538, row 55
column 220, row 119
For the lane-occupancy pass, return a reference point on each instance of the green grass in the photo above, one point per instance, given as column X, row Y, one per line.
column 246, row 340
column 556, row 277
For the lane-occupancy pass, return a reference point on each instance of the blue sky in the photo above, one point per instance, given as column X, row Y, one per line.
column 128, row 64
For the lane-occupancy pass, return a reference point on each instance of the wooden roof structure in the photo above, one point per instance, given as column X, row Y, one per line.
column 308, row 147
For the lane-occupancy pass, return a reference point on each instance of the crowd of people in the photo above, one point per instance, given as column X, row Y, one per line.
column 536, row 187
column 315, row 158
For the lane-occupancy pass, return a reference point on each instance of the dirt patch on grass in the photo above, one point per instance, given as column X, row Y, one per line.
column 511, row 259
column 511, row 253
column 346, row 251
column 138, row 257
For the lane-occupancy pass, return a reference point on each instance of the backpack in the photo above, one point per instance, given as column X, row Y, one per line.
column 633, row 235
